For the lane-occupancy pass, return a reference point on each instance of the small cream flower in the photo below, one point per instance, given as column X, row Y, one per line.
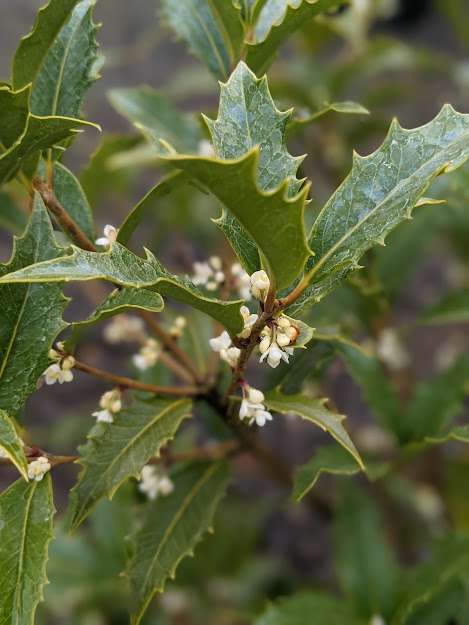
column 38, row 468
column 148, row 355
column 242, row 281
column 205, row 148
column 58, row 373
column 391, row 350
column 222, row 344
column 178, row 326
column 110, row 404
column 252, row 407
column 275, row 341
column 124, row 329
column 153, row 482
column 209, row 274
column 260, row 285
column 109, row 236
column 249, row 321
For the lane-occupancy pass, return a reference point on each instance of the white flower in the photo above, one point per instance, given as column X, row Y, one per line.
column 252, row 407
column 220, row 342
column 260, row 285
column 111, row 404
column 275, row 341
column 209, row 274
column 377, row 620
column 242, row 281
column 391, row 350
column 154, row 482
column 177, row 327
column 38, row 468
column 55, row 373
column 110, row 235
column 124, row 329
column 205, row 148
column 148, row 355
column 249, row 321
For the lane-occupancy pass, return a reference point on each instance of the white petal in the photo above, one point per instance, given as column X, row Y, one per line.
column 255, row 395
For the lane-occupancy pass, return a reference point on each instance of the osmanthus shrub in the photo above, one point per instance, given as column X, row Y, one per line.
column 258, row 303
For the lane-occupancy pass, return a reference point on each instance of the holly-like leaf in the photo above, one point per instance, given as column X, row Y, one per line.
column 156, row 118
column 315, row 411
column 11, row 444
column 14, row 109
column 39, row 134
column 453, row 308
column 212, row 30
column 347, row 108
column 115, row 452
column 58, row 57
column 172, row 528
column 379, row 193
column 26, row 513
column 12, row 218
column 277, row 20
column 365, row 564
column 120, row 266
column 436, row 403
column 331, row 459
column 32, row 314
column 256, row 180
column 306, row 608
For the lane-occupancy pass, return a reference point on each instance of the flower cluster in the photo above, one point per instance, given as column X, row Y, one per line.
column 110, row 404
column 148, row 355
column 252, row 407
column 153, row 482
column 209, row 274
column 391, row 351
column 61, row 370
column 124, row 329
column 38, row 468
column 241, row 281
column 224, row 346
column 177, row 327
column 109, row 236
column 275, row 341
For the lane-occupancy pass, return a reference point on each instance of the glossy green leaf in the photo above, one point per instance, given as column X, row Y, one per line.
column 365, row 564
column 378, row 392
column 11, row 444
column 58, row 57
column 115, row 452
column 120, row 266
column 347, row 108
column 436, row 403
column 277, row 20
column 379, row 193
column 161, row 189
column 449, row 559
column 12, row 218
column 314, row 410
column 26, row 513
column 14, row 109
column 172, row 528
column 39, row 134
column 453, row 308
column 310, row 608
column 213, row 31
column 31, row 314
column 332, row 459
column 156, row 118
column 255, row 181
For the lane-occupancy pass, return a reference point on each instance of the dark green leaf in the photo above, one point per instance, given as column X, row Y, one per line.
column 331, row 459
column 11, row 216
column 172, row 528
column 26, row 512
column 121, row 266
column 453, row 308
column 11, row 444
column 32, row 314
column 115, row 452
column 14, row 109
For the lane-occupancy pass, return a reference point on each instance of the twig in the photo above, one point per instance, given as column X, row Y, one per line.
column 62, row 217
column 122, row 381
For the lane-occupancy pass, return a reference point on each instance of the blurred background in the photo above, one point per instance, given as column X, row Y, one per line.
column 400, row 59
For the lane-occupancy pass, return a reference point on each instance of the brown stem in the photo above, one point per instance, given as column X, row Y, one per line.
column 61, row 216
column 118, row 380
column 171, row 345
